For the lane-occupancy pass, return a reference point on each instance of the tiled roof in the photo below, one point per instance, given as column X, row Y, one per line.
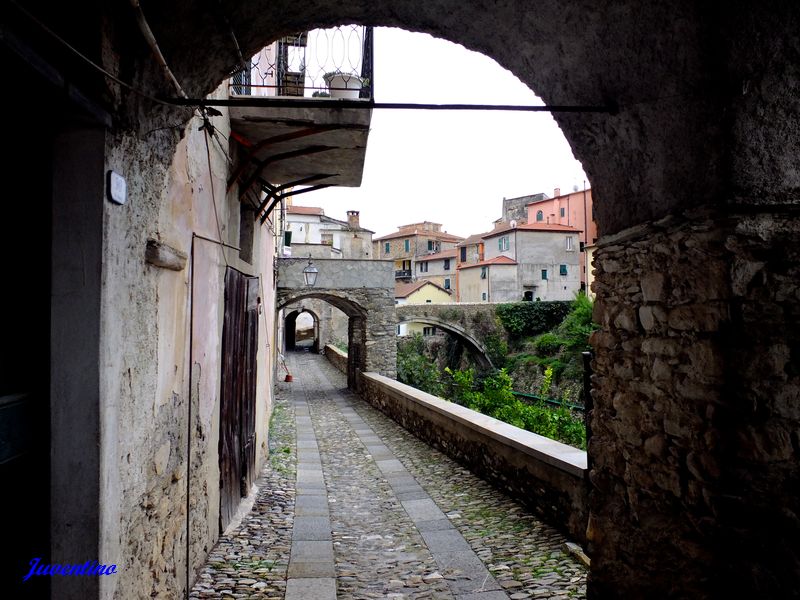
column 439, row 255
column 304, row 210
column 436, row 235
column 475, row 238
column 548, row 227
column 497, row 260
column 404, row 290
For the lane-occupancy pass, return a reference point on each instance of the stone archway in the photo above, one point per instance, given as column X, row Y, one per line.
column 371, row 344
column 695, row 177
column 476, row 348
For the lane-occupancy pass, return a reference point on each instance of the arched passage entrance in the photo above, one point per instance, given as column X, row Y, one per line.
column 696, row 192
column 291, row 338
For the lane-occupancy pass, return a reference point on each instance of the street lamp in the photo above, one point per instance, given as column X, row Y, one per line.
column 310, row 273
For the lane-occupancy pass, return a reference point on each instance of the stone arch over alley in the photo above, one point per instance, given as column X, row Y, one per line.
column 362, row 290
column 695, row 179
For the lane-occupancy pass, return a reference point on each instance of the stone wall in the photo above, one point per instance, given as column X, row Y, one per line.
column 337, row 358
column 545, row 475
column 694, row 433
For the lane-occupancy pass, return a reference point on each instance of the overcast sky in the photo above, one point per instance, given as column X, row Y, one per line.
column 450, row 167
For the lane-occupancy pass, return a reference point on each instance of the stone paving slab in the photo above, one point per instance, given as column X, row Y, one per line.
column 422, row 510
column 311, row 589
column 311, row 529
column 445, row 540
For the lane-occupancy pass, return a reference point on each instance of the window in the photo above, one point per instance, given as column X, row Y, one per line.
column 398, row 330
column 562, row 270
column 430, row 246
column 539, row 215
column 570, row 245
column 327, row 239
column 428, row 301
column 423, row 267
column 483, row 272
column 387, row 247
column 544, row 274
column 527, row 296
column 407, row 245
column 464, row 254
column 483, row 296
column 563, row 212
column 502, row 243
column 446, row 264
column 447, row 283
column 428, row 331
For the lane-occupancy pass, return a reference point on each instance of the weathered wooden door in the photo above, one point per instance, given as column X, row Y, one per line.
column 237, row 441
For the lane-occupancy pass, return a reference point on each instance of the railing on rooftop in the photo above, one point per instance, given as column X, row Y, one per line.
column 323, row 63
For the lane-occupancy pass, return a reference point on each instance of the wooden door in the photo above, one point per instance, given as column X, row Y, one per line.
column 237, row 441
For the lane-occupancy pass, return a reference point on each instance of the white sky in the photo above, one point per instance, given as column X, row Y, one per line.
column 449, row 167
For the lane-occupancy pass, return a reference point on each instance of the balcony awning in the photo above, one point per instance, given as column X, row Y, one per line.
column 288, row 144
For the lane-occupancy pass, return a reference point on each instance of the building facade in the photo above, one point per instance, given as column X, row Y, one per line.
column 409, row 243
column 526, row 262
column 438, row 268
column 573, row 209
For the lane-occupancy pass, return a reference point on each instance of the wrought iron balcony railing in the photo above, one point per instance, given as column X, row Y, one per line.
column 323, row 63
column 402, row 274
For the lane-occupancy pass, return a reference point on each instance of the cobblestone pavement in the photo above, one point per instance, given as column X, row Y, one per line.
column 404, row 520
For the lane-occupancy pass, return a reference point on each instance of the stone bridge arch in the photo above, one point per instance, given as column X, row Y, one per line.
column 477, row 348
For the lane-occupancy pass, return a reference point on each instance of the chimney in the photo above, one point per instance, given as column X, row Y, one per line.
column 556, row 192
column 352, row 219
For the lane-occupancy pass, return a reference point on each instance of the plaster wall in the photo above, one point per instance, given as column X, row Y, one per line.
column 471, row 287
column 538, row 251
column 147, row 359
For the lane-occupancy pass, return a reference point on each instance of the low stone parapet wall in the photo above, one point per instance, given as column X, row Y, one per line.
column 545, row 475
column 336, row 357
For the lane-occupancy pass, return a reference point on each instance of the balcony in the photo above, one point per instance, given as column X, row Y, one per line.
column 296, row 121
column 402, row 274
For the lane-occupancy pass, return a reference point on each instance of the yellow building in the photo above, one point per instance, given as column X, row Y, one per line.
column 419, row 292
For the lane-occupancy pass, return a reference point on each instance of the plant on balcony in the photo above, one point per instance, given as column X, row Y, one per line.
column 343, row 85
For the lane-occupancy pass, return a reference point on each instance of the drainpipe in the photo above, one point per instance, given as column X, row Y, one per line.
column 585, row 218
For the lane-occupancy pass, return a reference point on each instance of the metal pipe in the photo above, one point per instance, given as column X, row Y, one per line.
column 266, row 101
column 151, row 41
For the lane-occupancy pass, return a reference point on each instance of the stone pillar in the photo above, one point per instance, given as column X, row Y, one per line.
column 697, row 409
column 356, row 351
column 381, row 338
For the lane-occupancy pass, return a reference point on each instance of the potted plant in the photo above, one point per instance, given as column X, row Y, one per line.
column 343, row 85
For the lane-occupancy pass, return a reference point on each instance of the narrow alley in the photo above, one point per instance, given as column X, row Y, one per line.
column 350, row 505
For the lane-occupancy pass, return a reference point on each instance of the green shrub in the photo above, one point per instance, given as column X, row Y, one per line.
column 577, row 326
column 548, row 344
column 496, row 348
column 531, row 318
column 414, row 368
column 497, row 400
